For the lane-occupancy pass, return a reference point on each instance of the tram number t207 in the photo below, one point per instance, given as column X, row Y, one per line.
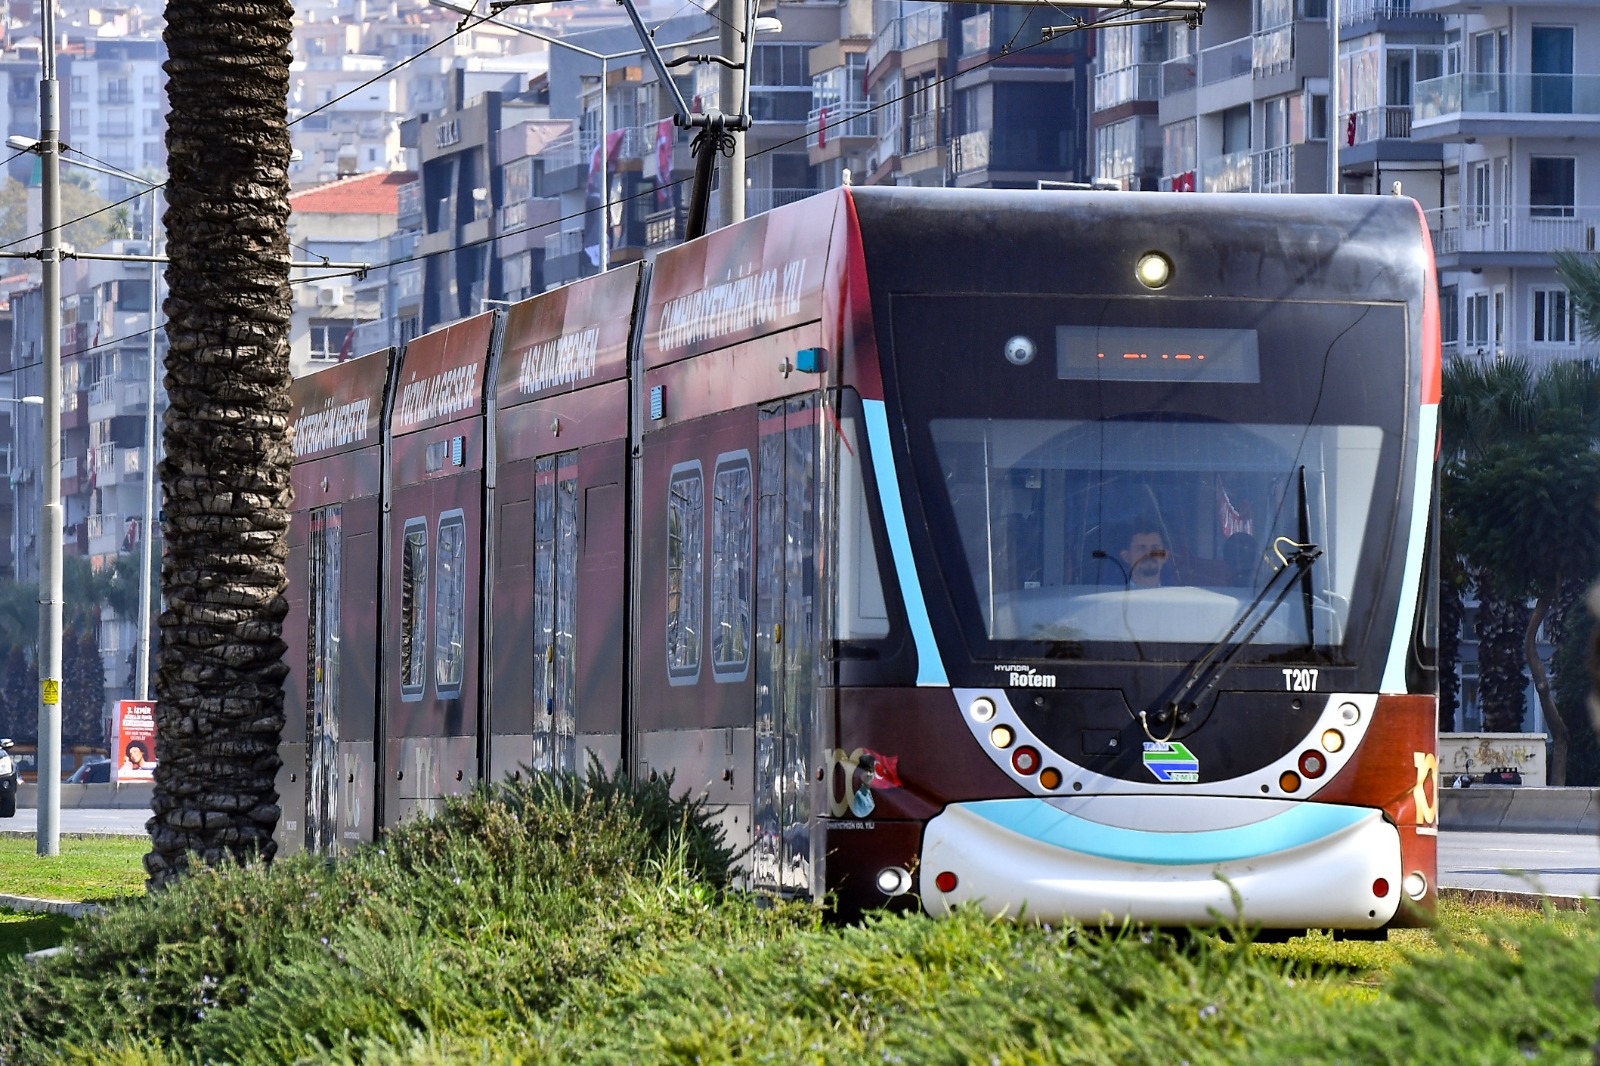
column 1300, row 680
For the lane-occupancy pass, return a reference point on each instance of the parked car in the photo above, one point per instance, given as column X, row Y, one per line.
column 8, row 780
column 91, row 773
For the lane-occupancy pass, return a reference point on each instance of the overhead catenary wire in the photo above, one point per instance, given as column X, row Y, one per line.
column 1124, row 15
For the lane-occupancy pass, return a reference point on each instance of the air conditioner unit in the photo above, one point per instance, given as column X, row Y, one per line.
column 330, row 295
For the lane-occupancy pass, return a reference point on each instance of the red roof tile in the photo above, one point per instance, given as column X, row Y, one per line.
column 377, row 193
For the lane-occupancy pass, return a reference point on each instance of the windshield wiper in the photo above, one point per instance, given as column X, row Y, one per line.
column 1196, row 681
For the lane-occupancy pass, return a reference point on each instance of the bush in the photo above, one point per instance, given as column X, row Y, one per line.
column 478, row 919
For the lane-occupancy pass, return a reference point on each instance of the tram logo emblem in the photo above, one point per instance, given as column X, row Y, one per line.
column 1171, row 762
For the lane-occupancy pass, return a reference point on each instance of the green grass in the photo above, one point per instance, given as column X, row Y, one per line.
column 553, row 923
column 24, row 932
column 88, row 869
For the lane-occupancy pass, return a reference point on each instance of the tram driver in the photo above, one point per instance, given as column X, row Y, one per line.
column 1145, row 556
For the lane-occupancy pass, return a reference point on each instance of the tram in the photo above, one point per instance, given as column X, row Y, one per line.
column 1057, row 553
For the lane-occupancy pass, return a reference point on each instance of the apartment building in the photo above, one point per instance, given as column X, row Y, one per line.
column 1520, row 128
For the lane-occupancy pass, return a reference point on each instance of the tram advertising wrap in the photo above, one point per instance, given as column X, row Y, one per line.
column 1056, row 553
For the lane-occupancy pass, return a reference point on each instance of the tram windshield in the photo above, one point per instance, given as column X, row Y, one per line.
column 1138, row 530
column 1094, row 490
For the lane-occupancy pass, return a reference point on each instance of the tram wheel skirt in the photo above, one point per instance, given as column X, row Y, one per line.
column 1313, row 866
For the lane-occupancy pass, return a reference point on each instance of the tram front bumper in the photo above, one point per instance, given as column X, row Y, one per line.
column 1269, row 863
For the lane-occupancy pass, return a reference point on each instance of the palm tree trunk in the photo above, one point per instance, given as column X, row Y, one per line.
column 1557, row 773
column 1502, row 685
column 225, row 477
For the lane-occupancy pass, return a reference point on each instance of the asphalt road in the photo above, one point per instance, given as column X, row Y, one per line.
column 1559, row 864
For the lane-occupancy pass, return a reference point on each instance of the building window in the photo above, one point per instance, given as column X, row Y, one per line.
column 1477, row 319
column 330, row 341
column 1478, row 193
column 1555, row 319
column 1552, row 186
column 1449, row 315
column 686, row 520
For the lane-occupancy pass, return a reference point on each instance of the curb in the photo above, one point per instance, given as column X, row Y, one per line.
column 1522, row 900
column 49, row 906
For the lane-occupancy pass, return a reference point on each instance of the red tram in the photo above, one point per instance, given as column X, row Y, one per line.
column 1046, row 549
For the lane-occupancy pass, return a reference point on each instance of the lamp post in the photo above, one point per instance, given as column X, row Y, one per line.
column 141, row 673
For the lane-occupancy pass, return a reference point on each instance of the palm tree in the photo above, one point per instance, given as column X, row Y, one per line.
column 225, row 477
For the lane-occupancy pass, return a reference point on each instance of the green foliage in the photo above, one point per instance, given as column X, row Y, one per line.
column 476, row 920
column 1581, row 275
column 1572, row 695
column 81, row 209
column 1525, row 512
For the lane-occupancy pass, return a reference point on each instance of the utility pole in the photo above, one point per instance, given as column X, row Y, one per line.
column 734, row 35
column 51, row 522
column 1335, row 131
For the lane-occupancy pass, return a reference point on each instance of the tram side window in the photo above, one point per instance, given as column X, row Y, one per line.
column 860, row 612
column 450, row 606
column 322, row 635
column 731, row 548
column 414, row 608
column 686, row 517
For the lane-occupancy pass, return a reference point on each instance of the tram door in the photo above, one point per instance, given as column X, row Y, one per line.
column 786, row 644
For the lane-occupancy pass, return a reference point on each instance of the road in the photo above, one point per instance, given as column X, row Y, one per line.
column 1560, row 864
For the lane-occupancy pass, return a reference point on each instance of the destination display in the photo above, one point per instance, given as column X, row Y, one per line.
column 1157, row 353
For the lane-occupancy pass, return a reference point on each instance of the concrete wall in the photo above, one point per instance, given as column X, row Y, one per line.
column 1513, row 809
column 1476, row 753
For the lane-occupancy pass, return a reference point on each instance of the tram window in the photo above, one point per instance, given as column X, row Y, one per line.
column 1045, row 514
column 731, row 548
column 414, row 608
column 324, row 587
column 450, row 606
column 860, row 613
column 686, row 519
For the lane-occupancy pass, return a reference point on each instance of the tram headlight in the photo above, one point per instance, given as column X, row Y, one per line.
column 1332, row 741
column 1415, row 884
column 982, row 709
column 894, row 880
column 1349, row 713
column 1153, row 270
column 1001, row 736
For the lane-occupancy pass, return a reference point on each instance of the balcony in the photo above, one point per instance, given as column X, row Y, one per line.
column 1387, row 123
column 760, row 201
column 567, row 242
column 105, row 533
column 663, row 229
column 1499, row 231
column 1352, row 12
column 1236, row 59
column 1506, row 105
column 977, row 34
column 1273, row 170
column 1227, row 173
column 905, row 33
column 922, row 131
column 850, row 119
column 114, row 465
column 1016, row 150
column 1114, row 87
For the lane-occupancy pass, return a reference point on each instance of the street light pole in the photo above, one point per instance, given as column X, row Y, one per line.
column 52, row 524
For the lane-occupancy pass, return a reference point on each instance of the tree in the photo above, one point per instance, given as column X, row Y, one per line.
column 80, row 205
column 84, row 688
column 225, row 477
column 1517, row 517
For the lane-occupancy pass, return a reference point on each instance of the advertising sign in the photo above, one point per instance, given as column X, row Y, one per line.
column 135, row 753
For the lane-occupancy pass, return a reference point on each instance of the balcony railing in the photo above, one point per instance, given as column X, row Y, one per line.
column 567, row 242
column 1388, row 123
column 1518, row 228
column 102, row 525
column 1272, row 51
column 906, row 32
column 1005, row 150
column 1226, row 173
column 1354, row 11
column 1141, row 82
column 922, row 131
column 1179, row 75
column 1232, row 60
column 1507, row 94
column 1273, row 170
column 760, row 201
column 850, row 119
